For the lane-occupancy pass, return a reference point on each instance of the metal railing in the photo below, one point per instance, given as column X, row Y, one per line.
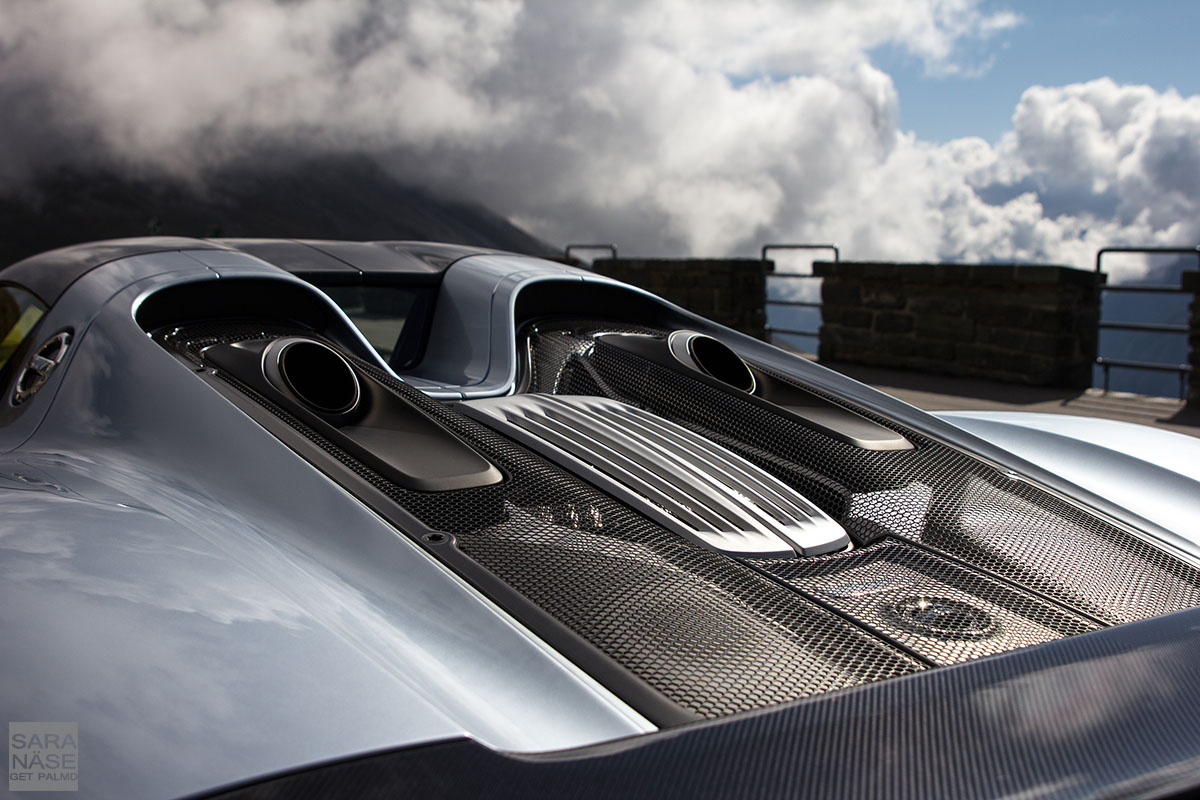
column 766, row 248
column 611, row 248
column 1107, row 364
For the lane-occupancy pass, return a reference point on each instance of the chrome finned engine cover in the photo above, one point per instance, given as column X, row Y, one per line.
column 687, row 483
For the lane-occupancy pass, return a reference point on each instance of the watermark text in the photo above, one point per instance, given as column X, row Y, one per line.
column 43, row 756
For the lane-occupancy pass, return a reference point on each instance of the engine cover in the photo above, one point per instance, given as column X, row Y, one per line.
column 687, row 483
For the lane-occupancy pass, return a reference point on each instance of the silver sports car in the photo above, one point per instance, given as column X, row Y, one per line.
column 395, row 519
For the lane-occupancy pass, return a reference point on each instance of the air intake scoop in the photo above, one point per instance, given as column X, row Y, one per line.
column 688, row 484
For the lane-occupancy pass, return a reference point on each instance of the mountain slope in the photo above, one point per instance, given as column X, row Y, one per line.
column 330, row 197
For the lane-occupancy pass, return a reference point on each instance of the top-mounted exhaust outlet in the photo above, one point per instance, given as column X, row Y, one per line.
column 355, row 412
column 712, row 357
column 314, row 373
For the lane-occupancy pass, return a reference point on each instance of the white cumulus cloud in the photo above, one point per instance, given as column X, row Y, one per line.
column 670, row 127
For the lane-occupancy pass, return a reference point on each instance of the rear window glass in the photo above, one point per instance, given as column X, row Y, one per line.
column 19, row 313
column 380, row 312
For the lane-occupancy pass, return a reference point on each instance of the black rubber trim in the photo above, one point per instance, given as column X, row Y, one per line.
column 1105, row 714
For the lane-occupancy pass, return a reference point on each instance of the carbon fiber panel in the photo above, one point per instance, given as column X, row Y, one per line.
column 934, row 607
column 714, row 636
column 1107, row 715
column 957, row 560
column 932, row 494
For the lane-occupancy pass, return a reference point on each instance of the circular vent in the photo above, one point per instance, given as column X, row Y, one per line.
column 940, row 617
column 43, row 362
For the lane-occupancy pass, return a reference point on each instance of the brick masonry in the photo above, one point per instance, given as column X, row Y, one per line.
column 732, row 292
column 1032, row 325
column 1191, row 283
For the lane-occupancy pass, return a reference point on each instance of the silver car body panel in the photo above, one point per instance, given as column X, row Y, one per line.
column 167, row 563
column 196, row 560
column 1152, row 472
column 472, row 351
column 475, row 324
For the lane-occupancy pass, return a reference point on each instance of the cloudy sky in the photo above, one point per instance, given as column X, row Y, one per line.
column 899, row 129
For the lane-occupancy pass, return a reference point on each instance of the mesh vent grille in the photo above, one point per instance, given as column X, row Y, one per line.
column 714, row 636
column 931, row 494
column 954, row 614
column 717, row 636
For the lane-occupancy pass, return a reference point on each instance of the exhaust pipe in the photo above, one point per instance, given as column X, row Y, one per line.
column 315, row 374
column 712, row 357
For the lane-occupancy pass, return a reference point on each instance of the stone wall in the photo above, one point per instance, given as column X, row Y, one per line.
column 1033, row 325
column 731, row 291
column 1191, row 283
